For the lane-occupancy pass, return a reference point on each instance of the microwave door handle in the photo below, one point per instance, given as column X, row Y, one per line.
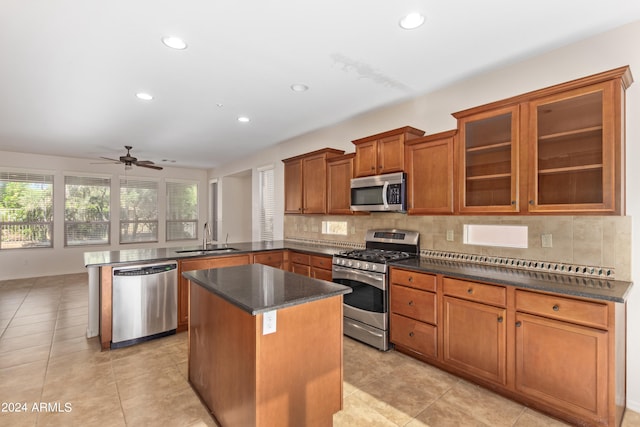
column 384, row 195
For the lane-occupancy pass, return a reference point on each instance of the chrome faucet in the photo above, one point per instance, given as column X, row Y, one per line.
column 205, row 235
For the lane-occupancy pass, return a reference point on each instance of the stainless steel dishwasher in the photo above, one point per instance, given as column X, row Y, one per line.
column 145, row 302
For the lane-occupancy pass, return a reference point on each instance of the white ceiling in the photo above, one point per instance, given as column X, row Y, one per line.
column 71, row 68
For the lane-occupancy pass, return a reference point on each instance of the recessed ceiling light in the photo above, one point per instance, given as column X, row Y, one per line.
column 243, row 119
column 174, row 42
column 299, row 87
column 144, row 96
column 411, row 21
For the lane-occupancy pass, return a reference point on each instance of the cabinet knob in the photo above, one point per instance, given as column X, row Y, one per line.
column 410, row 279
column 518, row 324
column 531, row 202
column 373, row 168
column 500, row 319
column 556, row 307
column 411, row 303
column 470, row 291
column 513, row 202
column 411, row 334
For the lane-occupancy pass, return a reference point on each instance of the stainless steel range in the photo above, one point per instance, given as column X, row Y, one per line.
column 366, row 309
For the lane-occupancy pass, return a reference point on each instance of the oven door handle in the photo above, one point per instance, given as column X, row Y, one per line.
column 373, row 279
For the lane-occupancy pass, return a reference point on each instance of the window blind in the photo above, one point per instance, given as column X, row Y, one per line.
column 266, row 182
column 86, row 210
column 138, row 211
column 182, row 210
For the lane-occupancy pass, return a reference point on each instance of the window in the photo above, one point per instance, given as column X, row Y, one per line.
column 138, row 211
column 266, row 203
column 182, row 210
column 26, row 210
column 213, row 196
column 86, row 210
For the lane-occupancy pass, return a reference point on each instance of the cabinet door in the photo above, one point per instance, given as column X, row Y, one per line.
column 305, row 270
column 321, row 273
column 366, row 160
column 339, row 174
column 293, row 186
column 314, row 179
column 562, row 364
column 573, row 151
column 475, row 338
column 271, row 258
column 430, row 174
column 391, row 154
column 488, row 159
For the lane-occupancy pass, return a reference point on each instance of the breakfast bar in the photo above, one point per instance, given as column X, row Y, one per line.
column 265, row 345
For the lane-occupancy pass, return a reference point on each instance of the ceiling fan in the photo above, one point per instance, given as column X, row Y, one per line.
column 129, row 160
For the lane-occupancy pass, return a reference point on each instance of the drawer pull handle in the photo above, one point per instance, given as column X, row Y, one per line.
column 556, row 307
column 411, row 334
column 500, row 319
column 410, row 279
column 411, row 303
column 469, row 291
column 518, row 324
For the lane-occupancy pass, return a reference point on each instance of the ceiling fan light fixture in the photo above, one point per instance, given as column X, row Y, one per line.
column 244, row 119
column 299, row 87
column 144, row 96
column 412, row 20
column 174, row 42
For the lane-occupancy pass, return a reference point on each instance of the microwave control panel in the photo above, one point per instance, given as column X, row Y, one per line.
column 394, row 194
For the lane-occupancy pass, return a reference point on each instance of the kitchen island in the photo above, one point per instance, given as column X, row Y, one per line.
column 265, row 346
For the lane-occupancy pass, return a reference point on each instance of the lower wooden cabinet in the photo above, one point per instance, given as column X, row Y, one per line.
column 316, row 266
column 321, row 267
column 561, row 355
column 270, row 258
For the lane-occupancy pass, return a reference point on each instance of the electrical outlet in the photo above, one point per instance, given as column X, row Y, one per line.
column 547, row 241
column 268, row 322
column 449, row 235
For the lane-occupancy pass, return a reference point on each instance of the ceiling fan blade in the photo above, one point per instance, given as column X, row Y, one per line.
column 108, row 158
column 150, row 166
column 144, row 162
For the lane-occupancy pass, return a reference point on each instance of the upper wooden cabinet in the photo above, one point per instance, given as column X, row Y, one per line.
column 384, row 152
column 555, row 150
column 429, row 168
column 305, row 182
column 339, row 174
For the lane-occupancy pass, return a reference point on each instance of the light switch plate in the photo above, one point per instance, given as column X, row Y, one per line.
column 269, row 322
column 547, row 240
column 449, row 235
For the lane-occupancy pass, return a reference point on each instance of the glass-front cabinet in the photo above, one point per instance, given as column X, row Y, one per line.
column 573, row 151
column 555, row 150
column 489, row 143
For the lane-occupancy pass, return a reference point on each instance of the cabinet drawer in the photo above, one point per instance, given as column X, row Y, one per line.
column 417, row 336
column 321, row 262
column 562, row 308
column 268, row 258
column 299, row 258
column 419, row 305
column 413, row 279
column 473, row 291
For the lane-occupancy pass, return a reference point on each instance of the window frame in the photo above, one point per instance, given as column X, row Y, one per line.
column 168, row 183
column 108, row 222
column 152, row 223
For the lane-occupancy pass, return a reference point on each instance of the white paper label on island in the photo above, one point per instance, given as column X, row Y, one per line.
column 268, row 322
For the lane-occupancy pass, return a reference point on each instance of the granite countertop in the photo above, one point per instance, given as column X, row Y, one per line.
column 586, row 287
column 128, row 256
column 257, row 288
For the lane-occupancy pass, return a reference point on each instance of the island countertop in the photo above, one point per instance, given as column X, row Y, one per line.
column 257, row 288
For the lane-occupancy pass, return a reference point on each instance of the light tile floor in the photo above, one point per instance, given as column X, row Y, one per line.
column 51, row 375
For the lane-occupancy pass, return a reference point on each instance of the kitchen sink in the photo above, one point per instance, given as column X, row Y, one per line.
column 206, row 251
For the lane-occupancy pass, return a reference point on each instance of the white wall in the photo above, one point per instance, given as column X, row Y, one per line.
column 432, row 113
column 60, row 260
column 236, row 201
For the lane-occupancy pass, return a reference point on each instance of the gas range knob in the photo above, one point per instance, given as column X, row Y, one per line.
column 349, row 263
column 357, row 265
column 374, row 267
column 366, row 266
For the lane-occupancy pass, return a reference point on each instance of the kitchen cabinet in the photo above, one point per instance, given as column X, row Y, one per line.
column 474, row 329
column 384, row 152
column 429, row 168
column 555, row 150
column 305, row 182
column 321, row 267
column 200, row 264
column 413, row 312
column 339, row 174
column 300, row 263
column 562, row 355
column 270, row 258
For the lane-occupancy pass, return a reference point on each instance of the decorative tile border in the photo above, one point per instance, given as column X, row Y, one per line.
column 524, row 264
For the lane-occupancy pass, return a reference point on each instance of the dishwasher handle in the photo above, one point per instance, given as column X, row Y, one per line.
column 145, row 270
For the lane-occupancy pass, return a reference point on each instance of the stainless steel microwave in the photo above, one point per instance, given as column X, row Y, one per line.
column 384, row 193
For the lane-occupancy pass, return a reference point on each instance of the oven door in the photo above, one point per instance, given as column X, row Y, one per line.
column 368, row 301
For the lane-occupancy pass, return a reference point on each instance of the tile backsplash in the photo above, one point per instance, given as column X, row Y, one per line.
column 595, row 241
